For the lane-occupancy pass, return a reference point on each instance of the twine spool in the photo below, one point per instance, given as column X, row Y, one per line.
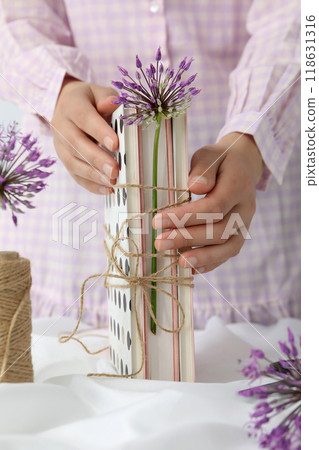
column 15, row 319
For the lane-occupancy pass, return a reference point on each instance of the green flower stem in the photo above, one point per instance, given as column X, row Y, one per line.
column 154, row 204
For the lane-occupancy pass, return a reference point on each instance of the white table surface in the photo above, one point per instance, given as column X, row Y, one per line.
column 65, row 409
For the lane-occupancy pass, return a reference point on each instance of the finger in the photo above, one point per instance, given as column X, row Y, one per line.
column 195, row 213
column 91, row 186
column 211, row 232
column 105, row 106
column 84, row 170
column 212, row 254
column 92, row 123
column 231, row 188
column 190, row 260
column 204, row 167
column 208, row 234
column 78, row 144
column 205, row 269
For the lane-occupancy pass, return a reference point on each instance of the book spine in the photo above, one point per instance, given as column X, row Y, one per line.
column 174, row 290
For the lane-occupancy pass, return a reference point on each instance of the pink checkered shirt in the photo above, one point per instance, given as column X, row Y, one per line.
column 247, row 55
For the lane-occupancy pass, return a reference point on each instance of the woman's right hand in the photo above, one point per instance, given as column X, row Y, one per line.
column 82, row 111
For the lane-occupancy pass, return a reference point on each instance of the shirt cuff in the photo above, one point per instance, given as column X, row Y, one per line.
column 78, row 69
column 50, row 98
column 261, row 127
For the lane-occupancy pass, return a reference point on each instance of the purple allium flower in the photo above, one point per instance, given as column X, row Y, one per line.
column 15, row 219
column 19, row 169
column 138, row 62
column 11, row 144
column 26, row 139
column 258, row 354
column 18, row 166
column 154, row 94
column 283, row 394
column 148, row 73
column 155, row 91
column 158, row 56
column 34, row 155
column 46, row 162
column 118, row 84
column 187, row 66
column 3, row 203
column 123, row 71
column 182, row 64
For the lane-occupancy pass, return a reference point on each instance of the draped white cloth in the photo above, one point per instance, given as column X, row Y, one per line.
column 65, row 409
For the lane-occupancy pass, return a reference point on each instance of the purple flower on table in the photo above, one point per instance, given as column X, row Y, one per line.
column 283, row 394
column 19, row 164
column 155, row 91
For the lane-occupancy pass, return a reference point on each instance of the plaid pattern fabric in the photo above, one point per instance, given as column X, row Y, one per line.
column 247, row 56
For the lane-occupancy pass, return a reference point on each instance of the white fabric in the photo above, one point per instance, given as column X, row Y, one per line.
column 64, row 409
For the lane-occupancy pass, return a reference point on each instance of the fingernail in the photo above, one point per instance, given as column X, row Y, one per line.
column 201, row 180
column 191, row 262
column 200, row 269
column 108, row 143
column 160, row 222
column 103, row 190
column 163, row 244
column 104, row 179
column 108, row 169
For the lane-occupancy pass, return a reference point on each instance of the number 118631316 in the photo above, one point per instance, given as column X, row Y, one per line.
column 310, row 42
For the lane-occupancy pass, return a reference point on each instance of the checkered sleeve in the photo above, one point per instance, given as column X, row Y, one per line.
column 37, row 50
column 265, row 87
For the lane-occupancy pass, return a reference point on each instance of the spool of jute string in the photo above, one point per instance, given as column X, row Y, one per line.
column 15, row 319
column 134, row 280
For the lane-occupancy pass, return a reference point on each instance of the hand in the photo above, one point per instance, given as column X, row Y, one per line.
column 228, row 177
column 77, row 117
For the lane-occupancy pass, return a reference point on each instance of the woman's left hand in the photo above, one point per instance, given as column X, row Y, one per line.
column 216, row 224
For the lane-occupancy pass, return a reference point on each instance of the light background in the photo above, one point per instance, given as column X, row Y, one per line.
column 8, row 112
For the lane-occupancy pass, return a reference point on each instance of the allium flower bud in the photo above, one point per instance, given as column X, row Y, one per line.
column 117, row 84
column 123, row 71
column 158, row 54
column 138, row 62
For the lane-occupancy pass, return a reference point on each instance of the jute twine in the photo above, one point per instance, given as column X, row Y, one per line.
column 133, row 280
column 15, row 319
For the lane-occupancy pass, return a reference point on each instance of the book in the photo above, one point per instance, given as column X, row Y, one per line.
column 168, row 356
